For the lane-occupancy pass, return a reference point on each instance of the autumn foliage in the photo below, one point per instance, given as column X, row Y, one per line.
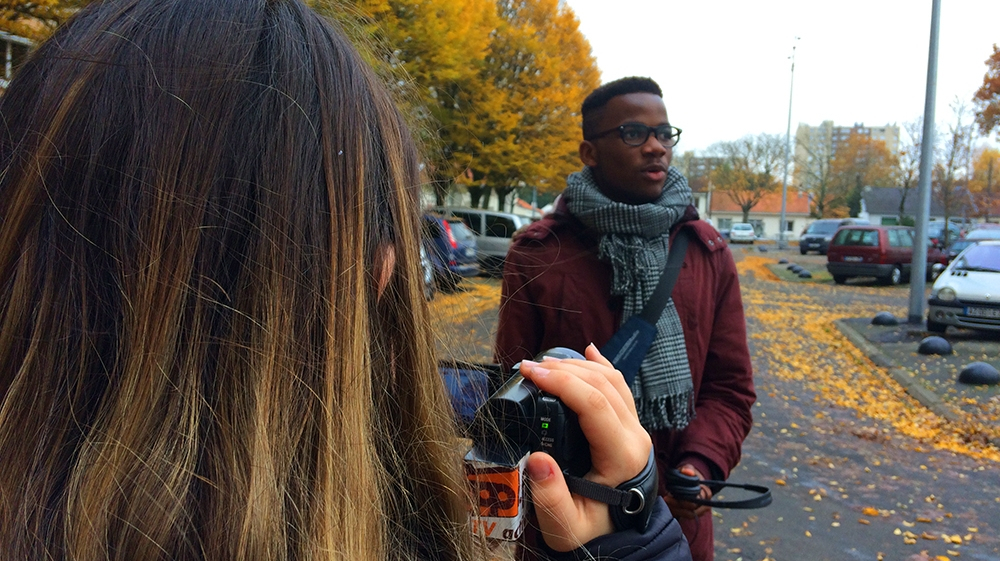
column 493, row 87
column 36, row 19
column 859, row 162
column 987, row 98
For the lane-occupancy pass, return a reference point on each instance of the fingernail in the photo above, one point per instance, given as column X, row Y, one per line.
column 539, row 372
column 528, row 365
column 552, row 358
column 539, row 471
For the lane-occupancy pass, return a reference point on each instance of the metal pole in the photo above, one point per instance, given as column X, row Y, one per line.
column 918, row 273
column 783, row 223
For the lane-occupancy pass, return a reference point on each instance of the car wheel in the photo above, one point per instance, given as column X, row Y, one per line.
column 894, row 278
column 839, row 279
column 803, row 251
column 935, row 327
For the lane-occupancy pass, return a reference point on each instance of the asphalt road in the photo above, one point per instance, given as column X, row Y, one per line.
column 849, row 479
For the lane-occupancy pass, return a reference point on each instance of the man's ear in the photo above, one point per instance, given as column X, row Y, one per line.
column 588, row 153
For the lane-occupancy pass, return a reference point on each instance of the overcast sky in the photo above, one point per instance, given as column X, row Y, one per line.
column 725, row 67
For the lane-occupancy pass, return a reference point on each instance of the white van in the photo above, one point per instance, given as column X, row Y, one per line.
column 493, row 230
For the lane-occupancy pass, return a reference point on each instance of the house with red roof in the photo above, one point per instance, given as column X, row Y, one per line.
column 765, row 216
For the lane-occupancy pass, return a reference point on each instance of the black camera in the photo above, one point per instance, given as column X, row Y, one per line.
column 519, row 419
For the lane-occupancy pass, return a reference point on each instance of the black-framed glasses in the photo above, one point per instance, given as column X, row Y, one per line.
column 636, row 134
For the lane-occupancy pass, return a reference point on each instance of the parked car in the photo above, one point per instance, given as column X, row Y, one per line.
column 451, row 248
column 935, row 232
column 958, row 246
column 818, row 235
column 493, row 230
column 427, row 270
column 883, row 252
column 966, row 293
column 741, row 232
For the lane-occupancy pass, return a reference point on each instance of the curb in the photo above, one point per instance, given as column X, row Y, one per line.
column 924, row 396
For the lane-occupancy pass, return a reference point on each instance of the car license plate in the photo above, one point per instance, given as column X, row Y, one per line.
column 812, row 244
column 993, row 313
column 853, row 258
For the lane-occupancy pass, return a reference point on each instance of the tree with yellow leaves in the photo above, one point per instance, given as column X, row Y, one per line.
column 987, row 97
column 538, row 72
column 860, row 162
column 36, row 19
column 432, row 52
column 492, row 87
column 985, row 182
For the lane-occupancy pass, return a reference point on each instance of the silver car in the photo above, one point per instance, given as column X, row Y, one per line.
column 967, row 293
column 742, row 233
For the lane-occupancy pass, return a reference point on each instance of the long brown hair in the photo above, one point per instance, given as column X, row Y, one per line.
column 195, row 362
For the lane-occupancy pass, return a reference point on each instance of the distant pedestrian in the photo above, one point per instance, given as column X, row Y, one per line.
column 573, row 277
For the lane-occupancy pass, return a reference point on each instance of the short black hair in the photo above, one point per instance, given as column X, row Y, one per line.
column 602, row 95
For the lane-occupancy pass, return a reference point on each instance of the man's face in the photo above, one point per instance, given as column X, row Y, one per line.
column 629, row 174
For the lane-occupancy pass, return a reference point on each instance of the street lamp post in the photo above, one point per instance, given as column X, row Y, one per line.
column 915, row 313
column 783, row 223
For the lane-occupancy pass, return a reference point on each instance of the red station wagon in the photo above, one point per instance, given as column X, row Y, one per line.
column 883, row 252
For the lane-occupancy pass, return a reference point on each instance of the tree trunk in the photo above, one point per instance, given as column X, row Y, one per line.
column 476, row 193
column 502, row 193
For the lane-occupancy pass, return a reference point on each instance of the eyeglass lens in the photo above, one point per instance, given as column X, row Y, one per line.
column 636, row 134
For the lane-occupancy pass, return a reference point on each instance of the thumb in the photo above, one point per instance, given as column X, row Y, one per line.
column 554, row 506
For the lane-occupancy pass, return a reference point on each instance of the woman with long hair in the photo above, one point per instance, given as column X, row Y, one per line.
column 213, row 339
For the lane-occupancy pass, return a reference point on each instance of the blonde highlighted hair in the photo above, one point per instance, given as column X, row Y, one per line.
column 195, row 362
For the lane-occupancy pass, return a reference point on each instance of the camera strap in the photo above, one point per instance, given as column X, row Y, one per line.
column 688, row 488
column 627, row 348
column 630, row 504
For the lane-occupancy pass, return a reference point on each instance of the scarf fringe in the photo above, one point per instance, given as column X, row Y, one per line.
column 666, row 412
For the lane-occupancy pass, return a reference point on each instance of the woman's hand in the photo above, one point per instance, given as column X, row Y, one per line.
column 619, row 446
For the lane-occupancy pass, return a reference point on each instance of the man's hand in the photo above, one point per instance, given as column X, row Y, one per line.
column 619, row 446
column 688, row 510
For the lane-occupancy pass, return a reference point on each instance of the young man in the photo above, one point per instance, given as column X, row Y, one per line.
column 573, row 277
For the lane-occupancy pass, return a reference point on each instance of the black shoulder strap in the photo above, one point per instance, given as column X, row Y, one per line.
column 654, row 306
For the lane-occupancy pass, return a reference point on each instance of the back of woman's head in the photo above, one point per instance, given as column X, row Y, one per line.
column 198, row 200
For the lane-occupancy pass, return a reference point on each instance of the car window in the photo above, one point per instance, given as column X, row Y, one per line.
column 499, row 226
column 868, row 238
column 460, row 231
column 906, row 236
column 982, row 258
column 471, row 220
column 823, row 227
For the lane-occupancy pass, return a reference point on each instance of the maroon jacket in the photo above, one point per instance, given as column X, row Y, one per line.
column 557, row 293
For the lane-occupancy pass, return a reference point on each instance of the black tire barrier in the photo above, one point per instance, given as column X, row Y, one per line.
column 979, row 374
column 935, row 345
column 885, row 318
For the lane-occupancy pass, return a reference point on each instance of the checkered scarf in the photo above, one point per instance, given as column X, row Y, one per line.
column 635, row 240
